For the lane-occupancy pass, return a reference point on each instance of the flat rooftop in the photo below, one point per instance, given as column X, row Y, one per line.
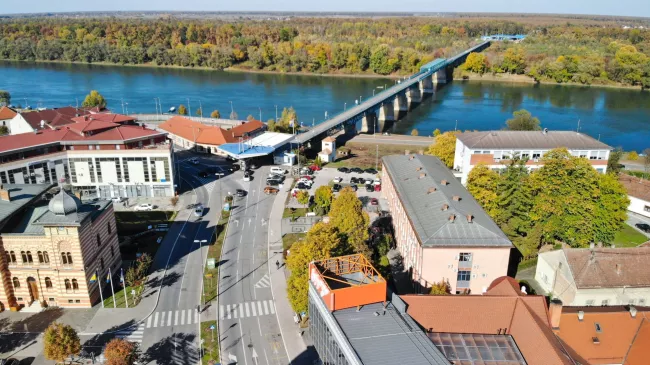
column 262, row 145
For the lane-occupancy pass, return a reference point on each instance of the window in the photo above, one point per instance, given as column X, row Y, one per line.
column 68, row 286
column 465, row 257
column 604, row 302
column 598, row 328
column 583, row 154
column 46, row 257
column 108, row 227
column 589, row 302
column 16, row 283
column 75, row 284
column 11, row 257
column 66, row 258
column 645, row 208
column 51, row 299
column 41, row 259
column 70, row 301
column 77, row 301
column 48, row 283
column 464, row 275
column 99, row 242
column 101, row 262
column 112, row 252
column 23, row 256
column 29, row 257
column 537, row 154
column 525, row 156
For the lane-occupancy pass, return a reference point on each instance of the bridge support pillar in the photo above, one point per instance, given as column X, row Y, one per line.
column 413, row 96
column 386, row 112
column 440, row 77
column 369, row 123
column 426, row 85
column 400, row 106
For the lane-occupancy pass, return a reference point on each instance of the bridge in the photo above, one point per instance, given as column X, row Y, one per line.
column 388, row 104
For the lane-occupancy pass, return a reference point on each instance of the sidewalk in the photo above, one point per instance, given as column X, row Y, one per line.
column 293, row 342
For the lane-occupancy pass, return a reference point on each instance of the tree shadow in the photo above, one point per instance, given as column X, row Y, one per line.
column 177, row 349
column 25, row 331
column 101, row 339
column 167, row 280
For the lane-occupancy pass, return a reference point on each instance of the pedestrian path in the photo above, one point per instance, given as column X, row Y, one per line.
column 264, row 282
column 179, row 317
column 247, row 309
column 132, row 336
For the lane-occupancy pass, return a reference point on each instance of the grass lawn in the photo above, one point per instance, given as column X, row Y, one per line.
column 129, row 223
column 290, row 238
column 297, row 212
column 629, row 237
column 366, row 155
column 210, row 342
column 211, row 276
column 119, row 295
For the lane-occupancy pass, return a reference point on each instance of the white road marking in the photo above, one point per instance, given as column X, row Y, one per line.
column 196, row 317
column 248, row 313
column 264, row 282
column 221, row 311
column 149, row 322
column 246, row 309
column 266, row 308
column 271, row 307
column 253, row 309
column 162, row 319
column 182, row 317
column 155, row 320
column 259, row 308
column 241, row 310
column 169, row 318
column 229, row 312
column 176, row 318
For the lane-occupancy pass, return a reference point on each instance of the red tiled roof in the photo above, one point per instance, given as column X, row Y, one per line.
column 639, row 352
column 91, row 125
column 247, row 127
column 195, row 131
column 105, row 117
column 6, row 113
column 636, row 187
column 609, row 267
column 504, row 286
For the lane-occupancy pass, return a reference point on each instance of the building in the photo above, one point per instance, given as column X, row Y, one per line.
column 638, row 191
column 468, row 328
column 6, row 115
column 596, row 276
column 441, row 232
column 188, row 134
column 273, row 146
column 604, row 335
column 328, row 150
column 494, row 148
column 51, row 249
column 97, row 157
column 30, row 121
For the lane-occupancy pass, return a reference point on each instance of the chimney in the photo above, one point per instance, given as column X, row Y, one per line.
column 619, row 268
column 581, row 316
column 431, row 190
column 411, row 157
column 444, row 182
column 445, row 207
column 4, row 194
column 633, row 311
column 422, row 175
column 456, row 198
column 555, row 312
column 592, row 245
column 469, row 218
column 419, row 168
column 452, row 218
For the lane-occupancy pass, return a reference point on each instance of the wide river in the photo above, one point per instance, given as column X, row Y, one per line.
column 619, row 117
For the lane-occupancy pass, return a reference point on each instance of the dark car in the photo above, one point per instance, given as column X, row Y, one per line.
column 273, row 182
column 343, row 169
column 354, row 180
column 644, row 227
column 241, row 193
column 203, row 174
column 370, row 188
column 234, row 168
column 336, row 188
column 356, row 170
column 302, row 186
column 370, row 171
column 353, row 187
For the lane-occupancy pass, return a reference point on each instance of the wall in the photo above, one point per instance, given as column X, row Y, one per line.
column 613, row 296
column 553, row 274
column 19, row 125
column 487, row 265
column 638, row 206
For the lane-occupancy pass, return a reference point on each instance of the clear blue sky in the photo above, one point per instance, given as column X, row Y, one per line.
column 604, row 7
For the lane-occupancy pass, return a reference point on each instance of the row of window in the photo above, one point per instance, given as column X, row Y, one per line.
column 69, row 284
column 532, row 155
column 43, row 257
column 605, row 302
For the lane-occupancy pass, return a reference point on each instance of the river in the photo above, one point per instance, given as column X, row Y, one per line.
column 619, row 117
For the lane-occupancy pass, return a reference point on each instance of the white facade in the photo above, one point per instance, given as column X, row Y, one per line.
column 18, row 125
column 639, row 206
column 328, row 150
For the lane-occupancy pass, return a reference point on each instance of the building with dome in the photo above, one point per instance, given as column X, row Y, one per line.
column 51, row 246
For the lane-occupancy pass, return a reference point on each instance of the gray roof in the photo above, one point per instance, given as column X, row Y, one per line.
column 86, row 210
column 387, row 339
column 64, row 203
column 431, row 223
column 20, row 195
column 530, row 139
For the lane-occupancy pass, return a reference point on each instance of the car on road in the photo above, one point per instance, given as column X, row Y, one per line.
column 370, row 188
column 302, row 186
column 315, row 168
column 198, row 211
column 336, row 188
column 274, row 182
column 144, row 207
column 374, row 201
column 240, row 193
column 370, row 171
column 643, row 226
column 344, row 170
column 194, row 160
column 247, row 177
column 278, row 170
column 203, row 174
column 271, row 190
column 356, row 170
column 338, row 179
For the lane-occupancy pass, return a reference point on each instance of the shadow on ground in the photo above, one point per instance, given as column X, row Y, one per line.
column 24, row 331
column 176, row 349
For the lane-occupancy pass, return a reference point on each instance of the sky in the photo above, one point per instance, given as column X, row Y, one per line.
column 599, row 7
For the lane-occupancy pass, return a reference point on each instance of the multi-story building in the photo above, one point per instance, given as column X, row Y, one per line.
column 441, row 232
column 638, row 191
column 596, row 276
column 495, row 148
column 51, row 249
column 30, row 121
column 103, row 155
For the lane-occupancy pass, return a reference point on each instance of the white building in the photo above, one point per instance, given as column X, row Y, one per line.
column 328, row 150
column 596, row 276
column 98, row 158
column 638, row 191
column 494, row 148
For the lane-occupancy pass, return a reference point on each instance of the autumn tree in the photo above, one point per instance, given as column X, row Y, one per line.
column 322, row 241
column 522, row 120
column 614, row 162
column 182, row 110
column 514, row 60
column 94, row 99
column 436, row 132
column 440, row 288
column 303, row 197
column 611, row 208
column 633, row 156
column 5, row 97
column 250, row 118
column 199, row 112
column 120, row 352
column 476, row 62
column 215, row 114
column 444, row 147
column 348, row 216
column 323, row 198
column 61, row 341
column 482, row 184
column 415, row 132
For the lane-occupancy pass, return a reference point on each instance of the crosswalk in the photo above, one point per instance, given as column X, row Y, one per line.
column 179, row 317
column 264, row 282
column 247, row 309
column 132, row 336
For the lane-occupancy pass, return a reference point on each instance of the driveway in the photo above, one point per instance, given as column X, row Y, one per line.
column 634, row 218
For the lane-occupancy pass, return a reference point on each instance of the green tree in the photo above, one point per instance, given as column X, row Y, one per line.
column 94, row 99
column 482, row 184
column 303, row 197
column 514, row 60
column 444, row 147
column 349, row 218
column 60, row 341
column 440, row 288
column 5, row 97
column 415, row 132
column 182, row 110
column 271, row 125
column 322, row 241
column 611, row 208
column 120, row 352
column 215, row 114
column 436, row 132
column 476, row 62
column 522, row 120
column 318, row 162
column 288, row 117
column 4, row 130
column 323, row 198
column 199, row 112
column 380, row 61
column 614, row 162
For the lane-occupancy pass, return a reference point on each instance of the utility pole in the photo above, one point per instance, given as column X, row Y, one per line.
column 276, row 113
column 201, row 108
column 377, row 158
column 189, row 108
column 154, row 99
column 260, row 113
column 232, row 110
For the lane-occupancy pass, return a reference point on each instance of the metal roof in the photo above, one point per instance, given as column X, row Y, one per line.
column 261, row 145
column 425, row 207
column 21, row 195
column 387, row 338
column 530, row 140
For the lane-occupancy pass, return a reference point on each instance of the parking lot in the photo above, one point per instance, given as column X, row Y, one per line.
column 326, row 177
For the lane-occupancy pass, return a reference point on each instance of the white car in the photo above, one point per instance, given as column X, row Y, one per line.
column 338, row 180
column 376, row 182
column 306, row 181
column 198, row 211
column 369, row 182
column 247, row 177
column 143, row 207
column 116, row 199
column 278, row 170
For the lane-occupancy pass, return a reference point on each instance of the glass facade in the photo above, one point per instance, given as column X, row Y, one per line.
column 328, row 350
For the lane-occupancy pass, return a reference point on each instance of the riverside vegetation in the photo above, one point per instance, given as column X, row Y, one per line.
column 578, row 50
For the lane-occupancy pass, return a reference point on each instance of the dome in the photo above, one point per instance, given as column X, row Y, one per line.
column 64, row 203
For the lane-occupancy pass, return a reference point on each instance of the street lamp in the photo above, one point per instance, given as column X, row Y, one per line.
column 154, row 99
column 231, row 108
column 189, row 108
column 260, row 108
column 344, row 106
column 201, row 243
column 276, row 113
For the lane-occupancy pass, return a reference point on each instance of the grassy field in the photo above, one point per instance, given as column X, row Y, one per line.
column 119, row 296
column 210, row 342
column 290, row 238
column 294, row 212
column 629, row 237
column 211, row 276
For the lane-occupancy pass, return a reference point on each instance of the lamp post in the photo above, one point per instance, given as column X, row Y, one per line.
column 344, row 106
column 154, row 99
column 231, row 107
column 260, row 108
column 189, row 108
column 201, row 109
column 276, row 113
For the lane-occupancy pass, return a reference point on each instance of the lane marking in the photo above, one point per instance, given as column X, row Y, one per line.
column 175, row 318
column 271, row 307
column 248, row 314
column 169, row 318
column 155, row 320
column 182, row 317
column 266, row 308
column 149, row 322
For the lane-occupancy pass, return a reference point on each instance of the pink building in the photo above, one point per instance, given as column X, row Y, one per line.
column 440, row 230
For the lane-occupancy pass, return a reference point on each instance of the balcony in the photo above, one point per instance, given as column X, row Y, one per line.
column 462, row 284
column 464, row 264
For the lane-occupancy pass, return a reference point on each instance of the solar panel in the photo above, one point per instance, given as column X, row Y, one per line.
column 478, row 349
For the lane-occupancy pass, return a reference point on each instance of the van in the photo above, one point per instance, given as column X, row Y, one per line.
column 278, row 170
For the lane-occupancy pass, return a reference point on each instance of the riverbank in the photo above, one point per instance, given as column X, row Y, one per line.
column 524, row 79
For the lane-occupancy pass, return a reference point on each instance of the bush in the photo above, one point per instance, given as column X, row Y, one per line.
column 633, row 156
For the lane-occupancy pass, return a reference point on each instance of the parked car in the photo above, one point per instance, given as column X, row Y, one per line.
column 376, row 182
column 203, row 174
column 356, row 170
column 354, row 180
column 233, row 168
column 644, row 227
column 306, row 182
column 247, row 177
column 302, row 186
column 336, row 188
column 307, row 177
column 338, row 179
column 354, row 187
column 278, row 170
column 344, row 170
column 305, row 171
column 370, row 188
column 374, row 201
column 274, row 182
column 276, row 176
column 315, row 168
column 370, row 171
column 143, row 207
column 116, row 199
column 194, row 160
column 198, row 211
column 369, row 181
column 254, row 166
column 378, row 187
column 271, row 190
